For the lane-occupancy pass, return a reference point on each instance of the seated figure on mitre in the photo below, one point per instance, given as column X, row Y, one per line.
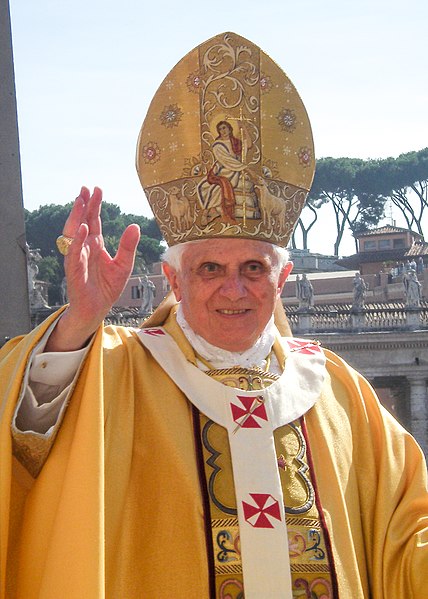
column 228, row 190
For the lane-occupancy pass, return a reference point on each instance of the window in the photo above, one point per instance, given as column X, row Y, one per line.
column 135, row 292
column 369, row 245
column 398, row 243
column 384, row 244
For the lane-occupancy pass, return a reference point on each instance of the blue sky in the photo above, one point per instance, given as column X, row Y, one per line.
column 86, row 71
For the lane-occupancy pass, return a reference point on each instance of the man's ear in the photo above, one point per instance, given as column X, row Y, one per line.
column 284, row 275
column 172, row 276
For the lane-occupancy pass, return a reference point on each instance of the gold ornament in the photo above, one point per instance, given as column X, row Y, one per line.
column 63, row 244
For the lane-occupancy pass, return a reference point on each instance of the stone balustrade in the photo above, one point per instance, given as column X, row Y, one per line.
column 391, row 316
column 327, row 318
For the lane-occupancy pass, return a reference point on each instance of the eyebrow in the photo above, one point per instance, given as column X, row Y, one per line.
column 263, row 261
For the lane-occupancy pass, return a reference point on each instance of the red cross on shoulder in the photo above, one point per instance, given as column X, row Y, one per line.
column 153, row 332
column 304, row 347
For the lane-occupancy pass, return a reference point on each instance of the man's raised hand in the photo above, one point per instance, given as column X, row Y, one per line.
column 95, row 280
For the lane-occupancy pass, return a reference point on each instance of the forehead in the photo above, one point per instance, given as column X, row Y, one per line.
column 228, row 250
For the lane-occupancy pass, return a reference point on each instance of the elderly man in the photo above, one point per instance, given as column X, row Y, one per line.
column 202, row 455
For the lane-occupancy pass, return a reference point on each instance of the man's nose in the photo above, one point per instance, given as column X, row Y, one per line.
column 233, row 287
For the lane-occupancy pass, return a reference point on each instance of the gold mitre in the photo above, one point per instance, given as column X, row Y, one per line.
column 226, row 148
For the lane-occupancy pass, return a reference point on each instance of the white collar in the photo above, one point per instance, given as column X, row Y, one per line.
column 221, row 358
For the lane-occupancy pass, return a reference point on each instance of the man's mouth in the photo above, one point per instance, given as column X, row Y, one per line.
column 232, row 312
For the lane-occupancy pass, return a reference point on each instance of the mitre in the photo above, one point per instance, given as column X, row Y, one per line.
column 226, row 148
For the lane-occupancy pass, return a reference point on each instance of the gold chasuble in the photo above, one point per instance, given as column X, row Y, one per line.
column 122, row 509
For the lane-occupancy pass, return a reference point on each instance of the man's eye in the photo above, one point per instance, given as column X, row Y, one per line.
column 209, row 268
column 253, row 268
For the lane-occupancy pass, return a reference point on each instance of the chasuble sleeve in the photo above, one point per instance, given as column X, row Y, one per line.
column 398, row 524
column 45, row 517
column 373, row 483
column 50, row 380
column 38, row 396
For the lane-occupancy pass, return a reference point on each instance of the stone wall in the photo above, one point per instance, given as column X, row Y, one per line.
column 14, row 301
column 396, row 363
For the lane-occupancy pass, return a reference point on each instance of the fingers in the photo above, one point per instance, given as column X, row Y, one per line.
column 79, row 239
column 86, row 209
column 84, row 220
column 93, row 212
column 77, row 214
column 82, row 234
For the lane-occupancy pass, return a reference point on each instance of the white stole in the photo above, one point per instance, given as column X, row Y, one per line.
column 250, row 418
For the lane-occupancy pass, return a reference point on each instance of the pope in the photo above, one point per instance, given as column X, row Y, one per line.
column 207, row 453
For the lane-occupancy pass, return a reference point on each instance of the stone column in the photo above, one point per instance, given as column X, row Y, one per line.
column 305, row 322
column 419, row 410
column 413, row 318
column 14, row 301
column 357, row 319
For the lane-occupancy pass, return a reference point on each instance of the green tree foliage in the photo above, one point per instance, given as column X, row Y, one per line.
column 356, row 190
column 338, row 182
column 42, row 227
column 45, row 224
column 404, row 180
column 52, row 271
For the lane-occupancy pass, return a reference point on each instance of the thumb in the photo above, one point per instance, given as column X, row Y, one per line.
column 125, row 255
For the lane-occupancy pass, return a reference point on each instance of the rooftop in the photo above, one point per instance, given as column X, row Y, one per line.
column 386, row 230
column 395, row 255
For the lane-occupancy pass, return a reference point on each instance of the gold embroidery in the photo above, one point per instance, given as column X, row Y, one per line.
column 31, row 450
column 246, row 379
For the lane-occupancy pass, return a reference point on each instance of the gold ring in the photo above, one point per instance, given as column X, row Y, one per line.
column 63, row 243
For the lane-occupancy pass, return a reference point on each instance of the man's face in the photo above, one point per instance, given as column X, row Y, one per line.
column 228, row 289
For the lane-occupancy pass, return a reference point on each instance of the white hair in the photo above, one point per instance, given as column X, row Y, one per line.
column 174, row 255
